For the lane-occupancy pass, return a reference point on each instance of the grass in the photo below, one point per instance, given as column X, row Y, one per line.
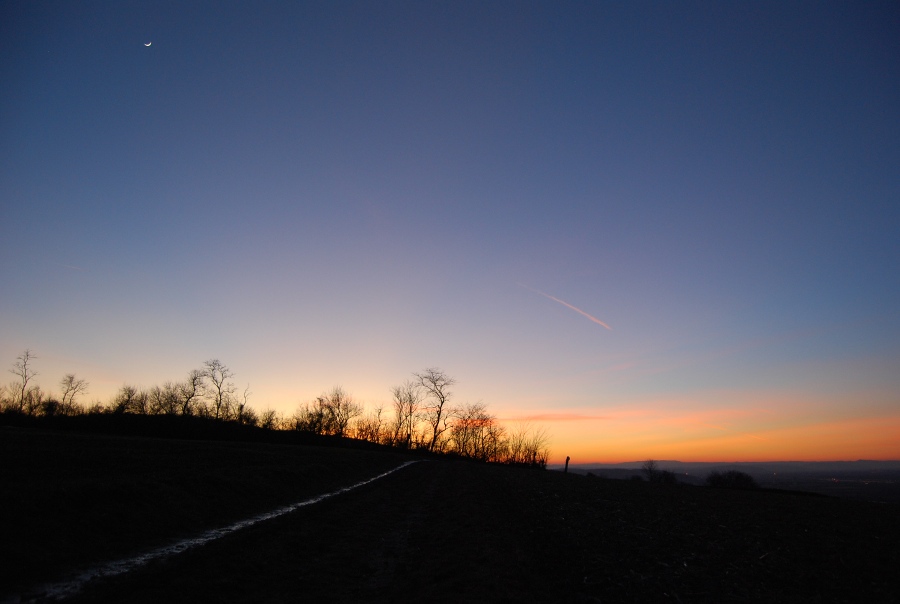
column 437, row 531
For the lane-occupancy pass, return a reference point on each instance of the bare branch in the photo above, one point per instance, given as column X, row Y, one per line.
column 25, row 373
column 221, row 390
column 72, row 387
column 436, row 385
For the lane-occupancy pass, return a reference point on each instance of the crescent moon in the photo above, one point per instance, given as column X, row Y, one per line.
column 148, row 43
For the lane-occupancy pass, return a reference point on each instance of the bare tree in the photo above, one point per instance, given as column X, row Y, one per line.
column 650, row 468
column 331, row 413
column 310, row 417
column 243, row 412
column 655, row 473
column 461, row 432
column 156, row 401
column 221, row 389
column 95, row 407
column 407, row 402
column 340, row 409
column 475, row 433
column 516, row 445
column 268, row 420
column 165, row 400
column 190, row 391
column 537, row 449
column 527, row 446
column 130, row 400
column 370, row 427
column 437, row 412
column 35, row 401
column 249, row 417
column 21, row 369
column 72, row 387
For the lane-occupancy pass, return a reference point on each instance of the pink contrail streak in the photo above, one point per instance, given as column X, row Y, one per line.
column 566, row 304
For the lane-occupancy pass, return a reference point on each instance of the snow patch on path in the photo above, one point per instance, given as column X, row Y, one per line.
column 58, row 591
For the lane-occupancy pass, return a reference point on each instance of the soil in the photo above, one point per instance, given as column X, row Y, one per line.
column 453, row 531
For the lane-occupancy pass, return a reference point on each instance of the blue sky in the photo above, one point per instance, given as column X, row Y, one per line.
column 343, row 193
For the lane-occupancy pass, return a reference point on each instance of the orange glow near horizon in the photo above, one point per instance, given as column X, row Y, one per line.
column 706, row 426
column 757, row 426
column 599, row 442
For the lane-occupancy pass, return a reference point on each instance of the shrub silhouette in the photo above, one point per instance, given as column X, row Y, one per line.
column 667, row 477
column 732, row 479
column 654, row 474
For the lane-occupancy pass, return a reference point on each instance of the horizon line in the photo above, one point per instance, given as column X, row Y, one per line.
column 659, row 461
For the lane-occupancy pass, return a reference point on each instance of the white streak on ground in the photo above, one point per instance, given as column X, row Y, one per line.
column 58, row 591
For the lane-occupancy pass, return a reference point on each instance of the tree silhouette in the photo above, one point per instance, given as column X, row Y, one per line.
column 190, row 391
column 423, row 416
column 221, row 390
column 243, row 413
column 436, row 385
column 656, row 474
column 72, row 387
column 129, row 400
column 475, row 433
column 22, row 369
column 331, row 413
column 164, row 400
column 268, row 420
column 650, row 469
column 407, row 402
column 340, row 409
column 371, row 427
column 525, row 446
column 731, row 479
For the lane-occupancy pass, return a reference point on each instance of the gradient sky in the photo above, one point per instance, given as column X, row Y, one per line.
column 655, row 229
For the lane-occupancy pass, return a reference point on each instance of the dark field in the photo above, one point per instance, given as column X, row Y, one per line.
column 444, row 531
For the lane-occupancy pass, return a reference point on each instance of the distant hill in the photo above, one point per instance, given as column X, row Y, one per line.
column 865, row 465
column 870, row 480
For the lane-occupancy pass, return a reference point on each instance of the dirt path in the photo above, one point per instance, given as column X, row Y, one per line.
column 72, row 501
column 66, row 589
column 426, row 533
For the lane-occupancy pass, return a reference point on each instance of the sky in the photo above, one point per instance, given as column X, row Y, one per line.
column 652, row 229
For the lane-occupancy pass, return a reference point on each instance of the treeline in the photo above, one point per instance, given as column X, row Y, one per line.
column 421, row 416
column 731, row 479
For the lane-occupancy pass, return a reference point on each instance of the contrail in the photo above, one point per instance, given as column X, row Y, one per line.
column 69, row 266
column 567, row 305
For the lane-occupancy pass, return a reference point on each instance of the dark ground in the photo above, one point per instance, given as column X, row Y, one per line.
column 451, row 531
